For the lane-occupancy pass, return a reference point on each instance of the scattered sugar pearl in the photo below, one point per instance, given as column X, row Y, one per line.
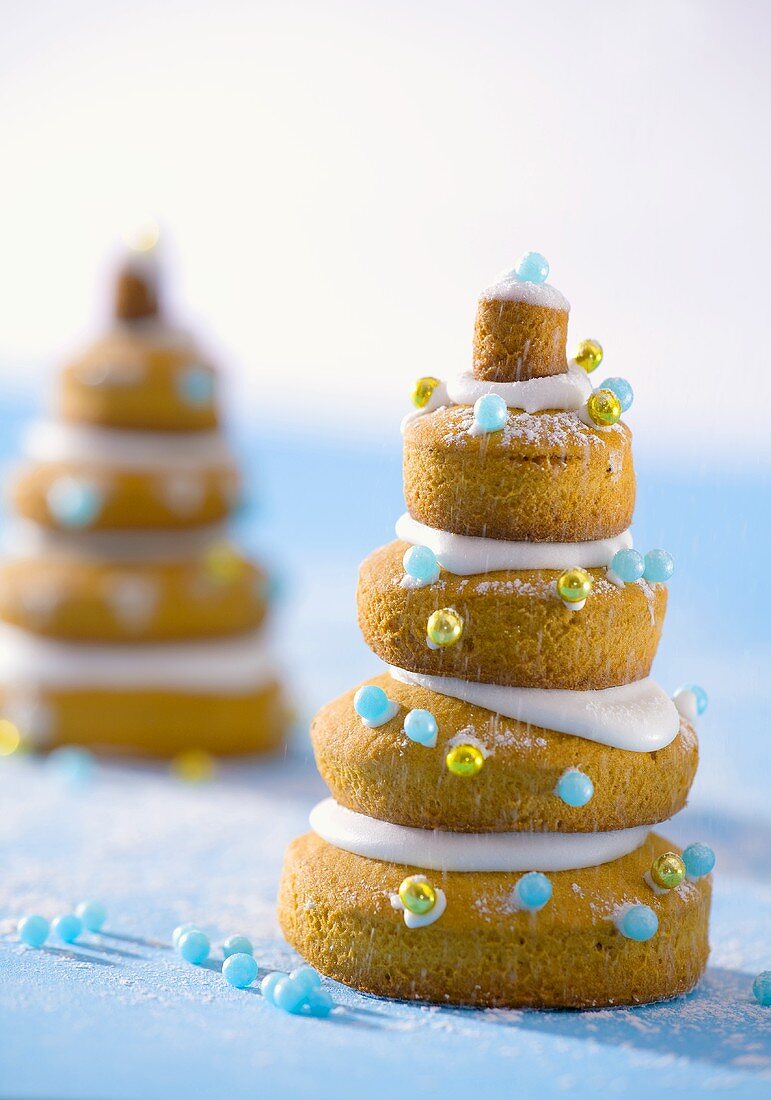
column 196, row 386
column 33, row 930
column 622, row 390
column 533, row 891
column 699, row 860
column 659, row 566
column 306, row 978
column 182, row 930
column 628, row 565
column 531, row 268
column 575, row 788
column 421, row 726
column 761, row 988
column 490, row 413
column 638, row 922
column 691, row 696
column 420, row 563
column 67, row 927
column 373, row 706
column 193, row 766
column 73, row 502
column 93, row 914
column 239, row 969
column 237, row 945
column 289, row 995
column 194, row 947
column 319, row 1003
column 269, row 983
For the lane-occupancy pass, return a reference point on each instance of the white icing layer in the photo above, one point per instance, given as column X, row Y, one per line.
column 465, row 555
column 24, row 540
column 437, row 850
column 557, row 391
column 49, row 441
column 639, row 717
column 231, row 666
column 509, row 289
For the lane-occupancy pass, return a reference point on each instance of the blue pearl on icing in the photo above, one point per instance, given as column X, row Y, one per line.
column 196, row 386
column 181, row 930
column 533, row 891
column 575, row 788
column 699, row 859
column 33, row 930
column 622, row 390
column 421, row 726
column 67, row 927
column 420, row 563
column 194, row 947
column 761, row 988
column 239, row 969
column 319, row 1003
column 237, row 945
column 269, row 983
column 93, row 914
column 628, row 565
column 698, row 693
column 308, row 978
column 289, row 995
column 373, row 705
column 490, row 413
column 74, row 503
column 659, row 565
column 638, row 922
column 531, row 268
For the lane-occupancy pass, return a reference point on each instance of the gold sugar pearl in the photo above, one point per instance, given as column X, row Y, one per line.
column 574, row 585
column 588, row 355
column 465, row 761
column 423, row 390
column 223, row 564
column 604, row 408
column 445, row 626
column 417, row 895
column 10, row 738
column 193, row 766
column 668, row 870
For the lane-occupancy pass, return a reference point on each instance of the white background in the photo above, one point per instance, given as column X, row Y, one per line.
column 339, row 179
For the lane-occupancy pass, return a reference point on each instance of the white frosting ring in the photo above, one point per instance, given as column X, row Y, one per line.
column 437, row 850
column 25, row 540
column 231, row 666
column 638, row 717
column 510, row 289
column 566, row 391
column 465, row 555
column 49, row 441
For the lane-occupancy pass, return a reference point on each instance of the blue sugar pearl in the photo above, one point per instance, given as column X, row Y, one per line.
column 421, row 726
column 628, row 565
column 196, row 386
column 289, row 995
column 67, row 927
column 490, row 413
column 74, row 767
column 622, row 390
column 194, row 947
column 319, row 1003
column 532, row 268
column 93, row 914
column 659, row 565
column 269, row 983
column 74, row 503
column 181, row 930
column 239, row 970
column 699, row 859
column 533, row 891
column 699, row 695
column 373, row 705
column 308, row 978
column 761, row 988
column 575, row 788
column 639, row 922
column 237, row 945
column 33, row 930
column 420, row 563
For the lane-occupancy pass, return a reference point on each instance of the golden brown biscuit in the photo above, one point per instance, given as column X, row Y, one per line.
column 335, row 909
column 544, row 477
column 516, row 630
column 381, row 773
column 514, row 341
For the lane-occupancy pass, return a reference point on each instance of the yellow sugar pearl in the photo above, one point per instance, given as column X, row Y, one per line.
column 464, row 760
column 10, row 738
column 588, row 355
column 445, row 626
column 422, row 391
column 193, row 766
column 574, row 585
column 604, row 407
column 668, row 870
column 223, row 563
column 417, row 895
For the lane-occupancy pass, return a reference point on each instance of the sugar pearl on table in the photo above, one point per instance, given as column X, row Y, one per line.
column 307, row 977
column 533, row 891
column 235, row 945
column 421, row 726
column 490, row 413
column 319, row 1003
column 93, row 914
column 269, row 983
column 575, row 788
column 761, row 988
column 628, row 565
column 289, row 995
column 699, row 860
column 181, row 930
column 659, row 566
column 531, row 268
column 194, row 947
column 622, row 390
column 33, row 930
column 420, row 563
column 239, row 969
column 638, row 922
column 67, row 927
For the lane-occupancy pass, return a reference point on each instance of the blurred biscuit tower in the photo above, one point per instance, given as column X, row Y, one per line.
column 488, row 840
column 128, row 619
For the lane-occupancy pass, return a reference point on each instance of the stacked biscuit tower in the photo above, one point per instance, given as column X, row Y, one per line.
column 128, row 618
column 488, row 841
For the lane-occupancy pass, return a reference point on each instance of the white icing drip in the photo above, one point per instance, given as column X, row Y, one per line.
column 421, row 920
column 464, row 555
column 638, row 717
column 24, row 540
column 556, row 391
column 230, row 666
column 118, row 448
column 437, row 850
column 508, row 289
column 687, row 705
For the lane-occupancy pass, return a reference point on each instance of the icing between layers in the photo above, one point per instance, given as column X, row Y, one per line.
column 638, row 717
column 25, row 540
column 119, row 448
column 465, row 555
column 509, row 289
column 231, row 666
column 437, row 850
